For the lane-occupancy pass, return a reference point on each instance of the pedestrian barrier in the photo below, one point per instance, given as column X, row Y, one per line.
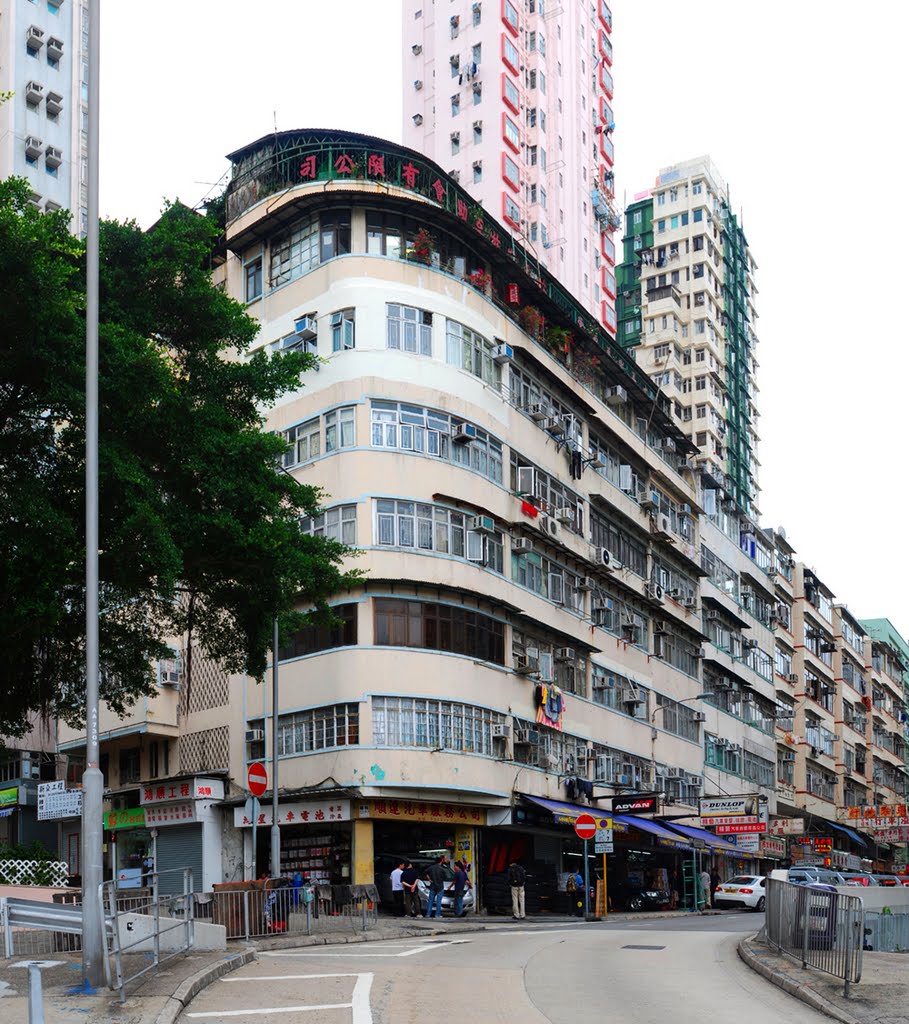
column 818, row 926
column 887, row 932
column 279, row 908
column 168, row 915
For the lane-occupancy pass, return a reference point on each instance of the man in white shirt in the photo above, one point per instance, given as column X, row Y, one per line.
column 397, row 889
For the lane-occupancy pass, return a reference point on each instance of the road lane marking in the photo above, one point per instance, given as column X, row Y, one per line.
column 370, row 956
column 287, row 977
column 362, row 1013
column 257, row 1010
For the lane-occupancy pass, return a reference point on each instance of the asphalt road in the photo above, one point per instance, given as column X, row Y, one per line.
column 644, row 972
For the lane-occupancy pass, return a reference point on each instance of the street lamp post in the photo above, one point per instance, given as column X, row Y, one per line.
column 92, row 779
column 275, row 827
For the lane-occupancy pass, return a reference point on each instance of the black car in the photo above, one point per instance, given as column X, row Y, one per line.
column 636, row 897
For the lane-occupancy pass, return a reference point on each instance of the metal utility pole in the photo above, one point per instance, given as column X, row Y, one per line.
column 275, row 827
column 92, row 779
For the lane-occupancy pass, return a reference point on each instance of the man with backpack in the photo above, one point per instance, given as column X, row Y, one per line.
column 516, row 879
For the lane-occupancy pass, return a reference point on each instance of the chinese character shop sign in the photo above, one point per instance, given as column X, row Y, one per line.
column 310, row 812
column 182, row 789
column 429, row 811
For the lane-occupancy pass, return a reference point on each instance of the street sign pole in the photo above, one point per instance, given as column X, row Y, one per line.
column 605, row 890
column 275, row 827
column 255, row 820
column 586, row 883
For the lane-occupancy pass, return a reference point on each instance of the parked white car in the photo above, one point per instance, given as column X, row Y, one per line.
column 741, row 891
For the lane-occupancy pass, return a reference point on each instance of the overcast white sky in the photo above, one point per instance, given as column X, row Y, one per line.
column 802, row 106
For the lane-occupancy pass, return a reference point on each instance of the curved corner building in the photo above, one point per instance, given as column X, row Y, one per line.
column 527, row 517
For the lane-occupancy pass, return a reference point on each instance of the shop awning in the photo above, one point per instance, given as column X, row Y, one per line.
column 713, row 841
column 567, row 814
column 853, row 835
column 666, row 837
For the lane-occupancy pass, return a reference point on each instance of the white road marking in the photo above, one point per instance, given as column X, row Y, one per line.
column 370, row 956
column 361, row 1013
column 287, row 977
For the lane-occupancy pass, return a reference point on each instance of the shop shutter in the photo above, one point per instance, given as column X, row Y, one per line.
column 179, row 846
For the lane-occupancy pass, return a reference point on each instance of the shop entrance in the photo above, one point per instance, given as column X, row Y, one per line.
column 419, row 842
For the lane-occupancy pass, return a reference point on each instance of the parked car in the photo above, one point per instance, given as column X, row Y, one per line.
column 864, row 878
column 741, row 891
column 448, row 896
column 636, row 897
column 808, row 875
column 892, row 880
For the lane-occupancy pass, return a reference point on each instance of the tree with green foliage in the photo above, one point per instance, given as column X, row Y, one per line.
column 199, row 531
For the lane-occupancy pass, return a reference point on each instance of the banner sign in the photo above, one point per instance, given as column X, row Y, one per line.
column 55, row 801
column 786, row 826
column 310, row 812
column 632, row 804
column 132, row 818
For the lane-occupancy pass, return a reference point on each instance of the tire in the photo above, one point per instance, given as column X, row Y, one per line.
column 759, row 906
column 635, row 903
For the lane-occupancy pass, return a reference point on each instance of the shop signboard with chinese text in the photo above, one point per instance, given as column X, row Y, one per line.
column 182, row 789
column 786, row 826
column 897, row 834
column 159, row 815
column 132, row 818
column 55, row 801
column 423, row 810
column 308, row 812
column 9, row 797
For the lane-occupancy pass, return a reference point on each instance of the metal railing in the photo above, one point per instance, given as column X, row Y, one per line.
column 169, row 915
column 818, row 926
column 285, row 910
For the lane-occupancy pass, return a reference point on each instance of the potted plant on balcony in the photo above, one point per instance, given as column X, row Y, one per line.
column 532, row 321
column 558, row 341
column 423, row 247
column 480, row 280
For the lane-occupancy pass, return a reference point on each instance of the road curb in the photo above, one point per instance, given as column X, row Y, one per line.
column 795, row 988
column 193, row 985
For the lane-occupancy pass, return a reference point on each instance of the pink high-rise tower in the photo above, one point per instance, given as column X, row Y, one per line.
column 515, row 99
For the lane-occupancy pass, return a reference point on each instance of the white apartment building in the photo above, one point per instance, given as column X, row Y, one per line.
column 43, row 137
column 549, row 620
column 513, row 99
column 687, row 308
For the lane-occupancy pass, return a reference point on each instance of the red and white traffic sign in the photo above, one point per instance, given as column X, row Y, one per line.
column 586, row 826
column 257, row 778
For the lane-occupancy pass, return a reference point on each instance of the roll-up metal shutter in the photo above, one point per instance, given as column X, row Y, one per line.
column 179, row 846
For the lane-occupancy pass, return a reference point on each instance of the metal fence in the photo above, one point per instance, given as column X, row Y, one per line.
column 285, row 910
column 818, row 926
column 887, row 932
column 168, row 915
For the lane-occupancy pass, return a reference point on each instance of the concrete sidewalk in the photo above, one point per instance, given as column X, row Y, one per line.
column 881, row 997
column 160, row 997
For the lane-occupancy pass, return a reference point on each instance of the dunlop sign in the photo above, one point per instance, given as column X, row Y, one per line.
column 724, row 810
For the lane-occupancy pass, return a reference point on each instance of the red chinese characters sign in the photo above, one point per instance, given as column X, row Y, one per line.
column 170, row 814
column 310, row 812
column 879, row 816
column 182, row 789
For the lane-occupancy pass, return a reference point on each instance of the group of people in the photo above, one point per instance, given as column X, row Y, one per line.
column 405, row 890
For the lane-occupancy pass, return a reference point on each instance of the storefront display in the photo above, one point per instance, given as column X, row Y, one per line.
column 323, row 858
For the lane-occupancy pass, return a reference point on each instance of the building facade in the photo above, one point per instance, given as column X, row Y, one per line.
column 514, row 99
column 687, row 308
column 43, row 133
column 557, row 612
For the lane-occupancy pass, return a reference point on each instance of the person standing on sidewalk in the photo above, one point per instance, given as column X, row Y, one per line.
column 516, row 879
column 436, row 875
column 409, row 878
column 460, row 885
column 397, row 890
column 705, row 886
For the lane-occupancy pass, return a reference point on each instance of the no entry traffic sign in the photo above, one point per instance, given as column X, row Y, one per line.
column 585, row 826
column 257, row 778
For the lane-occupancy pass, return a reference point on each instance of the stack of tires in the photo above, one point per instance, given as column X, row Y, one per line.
column 540, row 890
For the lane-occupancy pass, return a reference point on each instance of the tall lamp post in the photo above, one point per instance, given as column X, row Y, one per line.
column 92, row 779
column 275, row 827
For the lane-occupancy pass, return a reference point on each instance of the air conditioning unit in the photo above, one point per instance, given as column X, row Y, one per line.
column 699, row 716
column 521, row 546
column 502, row 354
column 170, row 678
column 417, row 119
column 539, row 411
column 34, row 147
column 550, row 526
column 631, row 696
column 689, row 602
column 54, row 47
column 712, row 615
column 649, row 499
column 464, row 433
column 255, row 735
column 793, row 677
column 774, row 619
column 482, row 524
column 661, row 524
column 549, row 761
column 526, row 481
column 748, row 644
column 601, row 604
column 622, row 780
column 585, row 584
column 616, row 395
column 675, row 773
column 565, row 654
column 660, row 628
column 694, row 781
column 416, row 49
column 34, row 37
column 553, row 424
column 524, row 665
column 500, row 732
column 564, row 515
column 654, row 591
column 53, row 157
column 306, row 328
column 668, row 444
column 787, row 755
column 605, row 558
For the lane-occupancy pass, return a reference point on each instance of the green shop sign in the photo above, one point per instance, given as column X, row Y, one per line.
column 9, row 796
column 133, row 818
